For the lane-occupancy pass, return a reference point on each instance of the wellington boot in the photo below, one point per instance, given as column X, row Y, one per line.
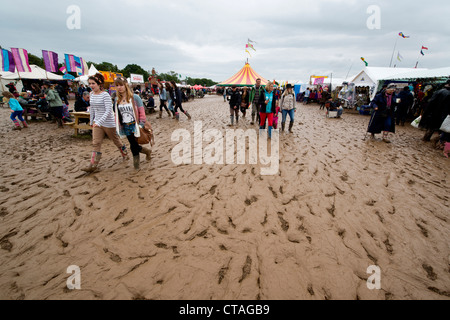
column 283, row 126
column 147, row 152
column 93, row 166
column 136, row 162
column 291, row 125
column 168, row 112
column 160, row 115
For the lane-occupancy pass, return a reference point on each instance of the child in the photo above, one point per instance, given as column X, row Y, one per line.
column 42, row 103
column 17, row 110
column 275, row 117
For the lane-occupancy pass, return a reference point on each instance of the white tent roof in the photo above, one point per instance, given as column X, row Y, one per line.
column 422, row 74
column 369, row 76
column 36, row 73
column 92, row 71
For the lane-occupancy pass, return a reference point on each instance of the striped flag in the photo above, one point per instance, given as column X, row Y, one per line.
column 424, row 48
column 399, row 57
column 76, row 64
column 50, row 60
column 21, row 59
column 63, row 69
column 401, row 34
column 7, row 61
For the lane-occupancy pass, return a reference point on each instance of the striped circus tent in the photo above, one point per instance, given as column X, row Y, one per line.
column 246, row 77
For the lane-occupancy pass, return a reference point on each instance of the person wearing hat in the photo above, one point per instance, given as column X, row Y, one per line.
column 437, row 110
column 383, row 119
column 288, row 107
column 54, row 101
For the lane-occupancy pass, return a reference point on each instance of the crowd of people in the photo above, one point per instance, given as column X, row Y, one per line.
column 391, row 109
column 265, row 103
column 123, row 114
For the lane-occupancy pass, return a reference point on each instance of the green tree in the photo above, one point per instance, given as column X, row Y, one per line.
column 134, row 68
column 106, row 66
column 32, row 59
column 171, row 76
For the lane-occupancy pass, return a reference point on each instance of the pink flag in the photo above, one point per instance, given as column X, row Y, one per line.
column 319, row 80
column 21, row 59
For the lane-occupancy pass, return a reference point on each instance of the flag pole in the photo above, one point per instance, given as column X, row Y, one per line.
column 395, row 47
column 417, row 63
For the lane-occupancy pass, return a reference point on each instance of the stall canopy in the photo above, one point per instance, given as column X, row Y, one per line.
column 441, row 73
column 246, row 77
column 36, row 73
column 372, row 77
column 4, row 82
column 84, row 79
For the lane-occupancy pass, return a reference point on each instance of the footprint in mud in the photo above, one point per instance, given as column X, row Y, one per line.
column 430, row 273
column 389, row 248
column 246, row 269
column 284, row 223
column 249, row 202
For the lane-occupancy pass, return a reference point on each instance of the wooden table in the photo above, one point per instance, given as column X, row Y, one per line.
column 76, row 124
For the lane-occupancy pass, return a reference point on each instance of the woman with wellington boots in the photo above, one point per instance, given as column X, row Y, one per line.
column 102, row 122
column 129, row 116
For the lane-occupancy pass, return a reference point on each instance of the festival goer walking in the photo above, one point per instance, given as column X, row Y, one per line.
column 245, row 101
column 102, row 122
column 325, row 96
column 54, row 101
column 406, row 102
column 170, row 98
column 235, row 103
column 16, row 110
column 163, row 100
column 129, row 116
column 179, row 102
column 436, row 111
column 287, row 104
column 306, row 97
column 382, row 119
column 255, row 94
column 268, row 104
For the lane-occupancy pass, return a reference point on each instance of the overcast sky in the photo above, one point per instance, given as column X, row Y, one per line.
column 207, row 38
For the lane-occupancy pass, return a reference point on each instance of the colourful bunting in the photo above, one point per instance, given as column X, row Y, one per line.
column 50, row 60
column 7, row 61
column 21, row 59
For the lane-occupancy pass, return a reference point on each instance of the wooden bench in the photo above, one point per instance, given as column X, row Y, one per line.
column 76, row 125
column 37, row 113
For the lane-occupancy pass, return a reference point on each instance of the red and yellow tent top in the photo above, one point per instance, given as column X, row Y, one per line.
column 246, row 77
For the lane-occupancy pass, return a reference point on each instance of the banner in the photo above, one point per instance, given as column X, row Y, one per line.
column 7, row 61
column 319, row 80
column 21, row 59
column 76, row 64
column 50, row 60
column 137, row 78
